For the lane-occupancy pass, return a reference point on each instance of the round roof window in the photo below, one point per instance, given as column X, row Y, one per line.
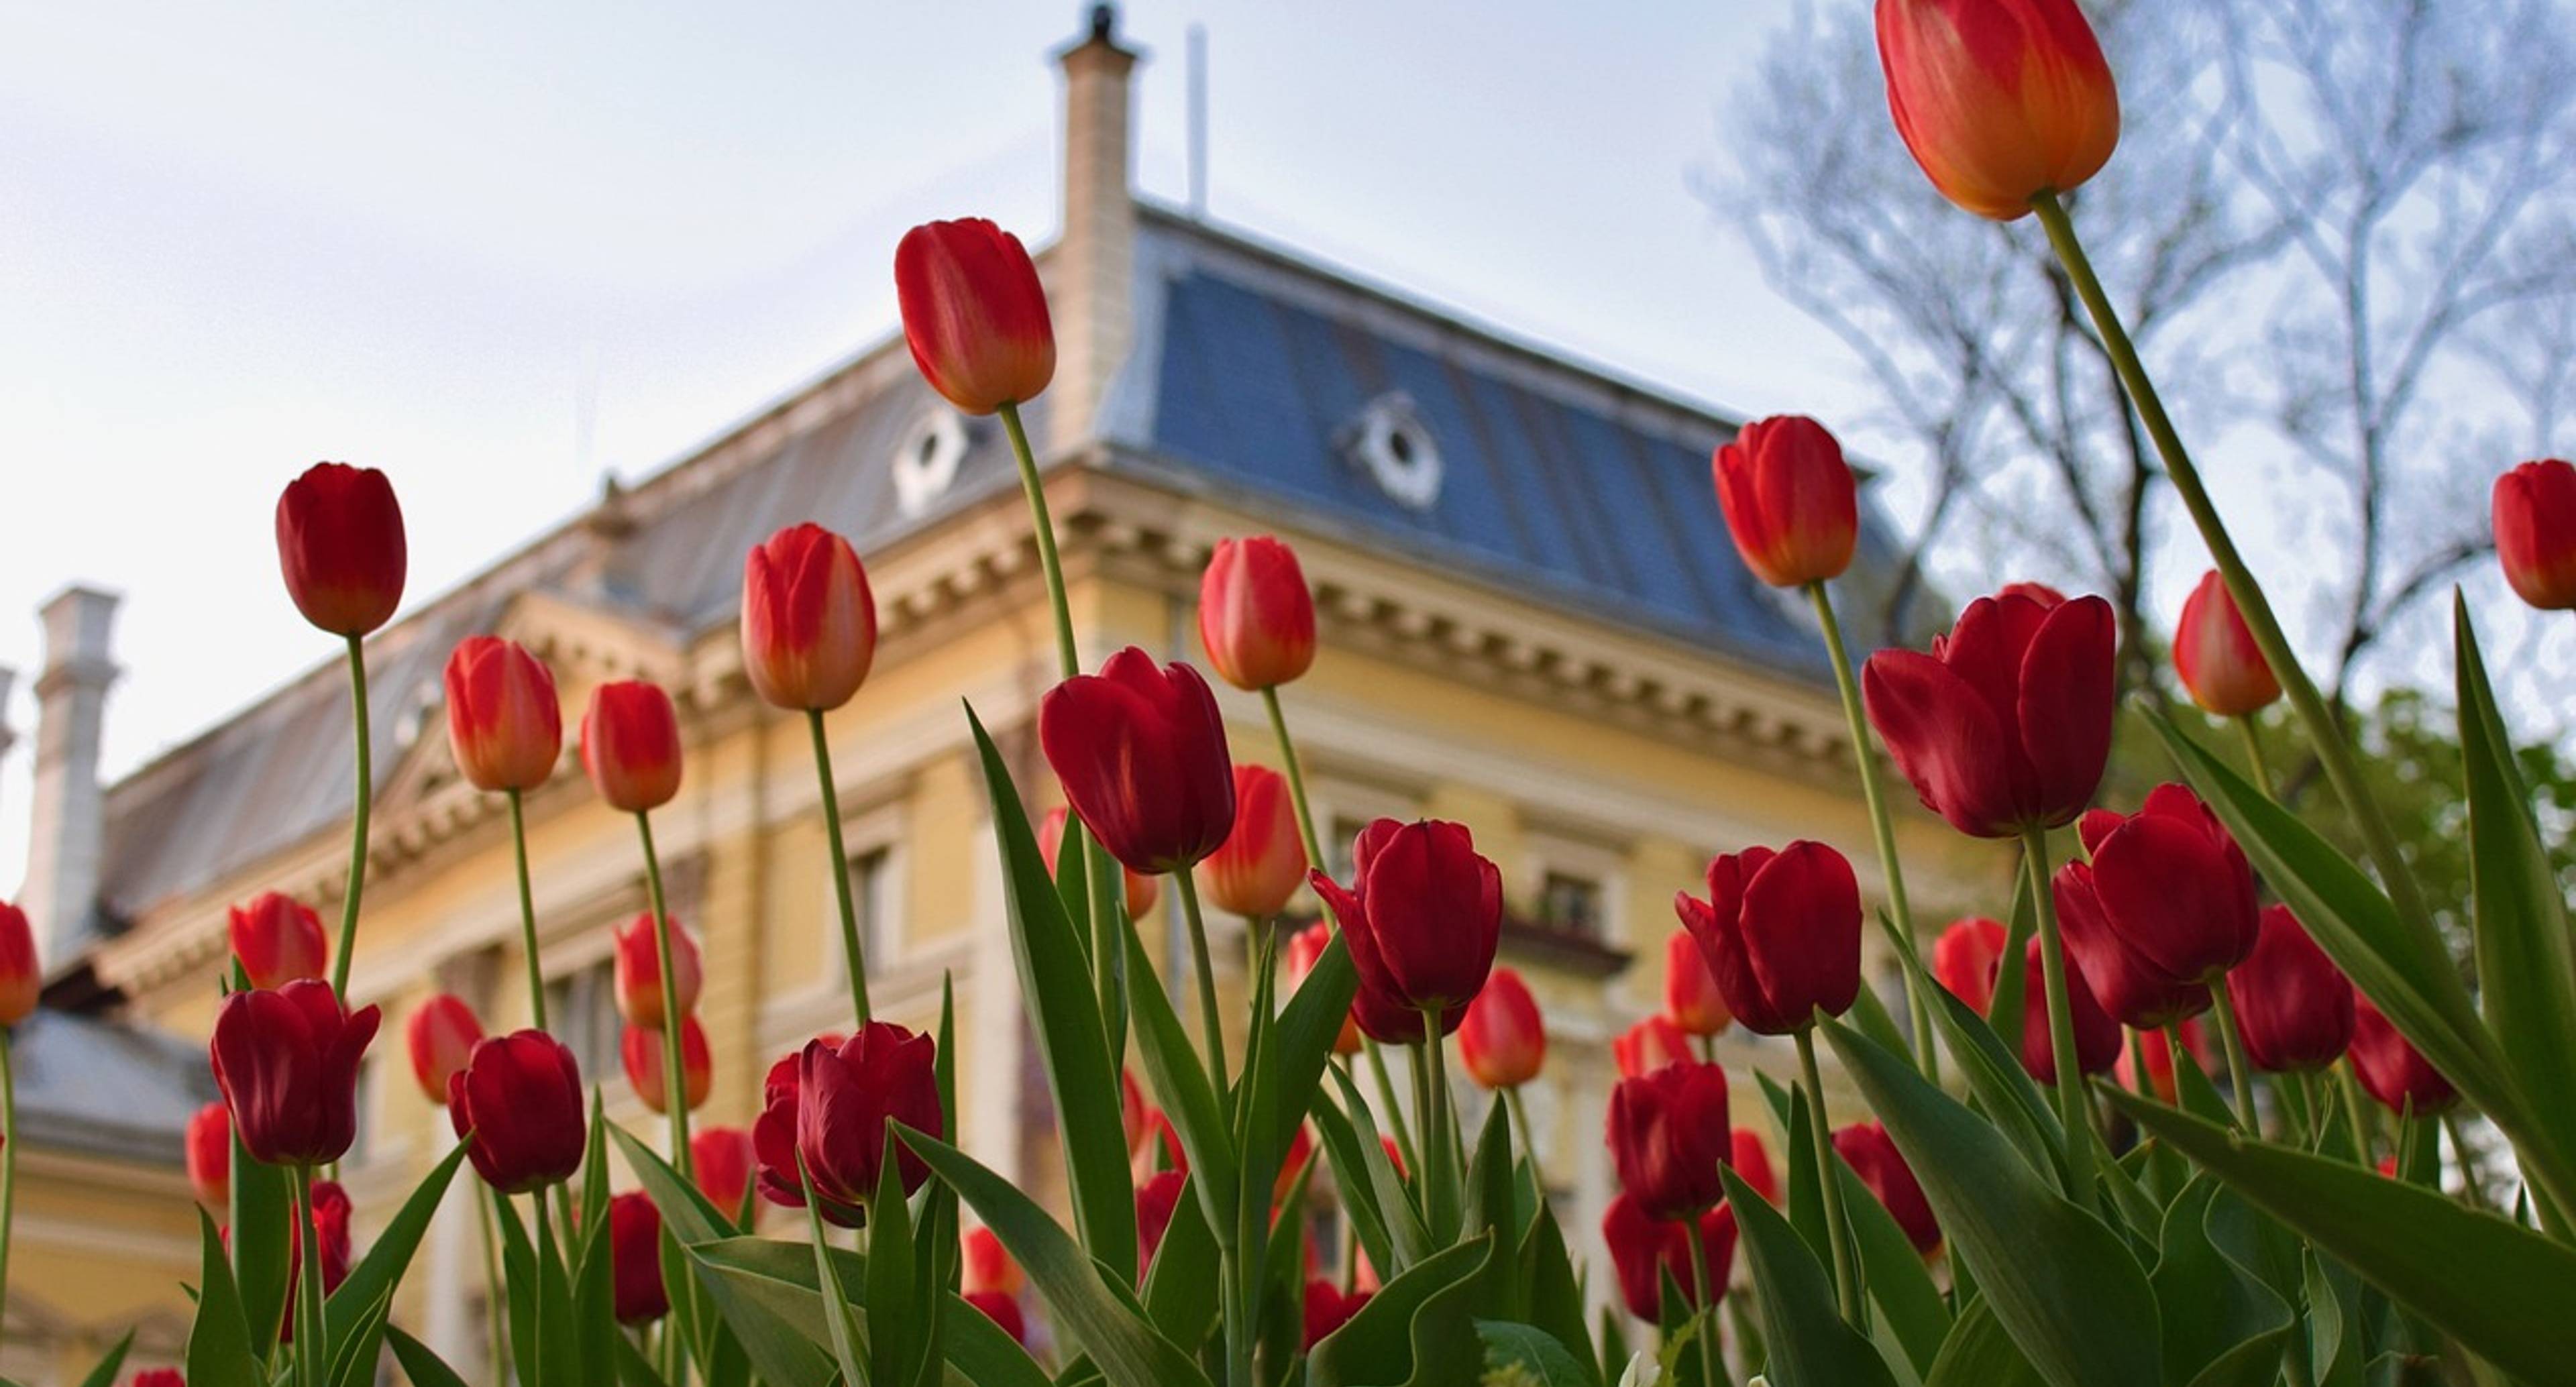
column 1390, row 442
column 925, row 461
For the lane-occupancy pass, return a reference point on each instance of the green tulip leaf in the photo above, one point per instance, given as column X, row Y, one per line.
column 1978, row 1353
column 104, row 1375
column 376, row 1274
column 1809, row 1344
column 262, row 1218
column 1181, row 1285
column 1172, row 1067
column 1527, row 1356
column 2062, row 1284
column 1356, row 1186
column 1910, row 1306
column 424, row 1367
column 1415, row 1332
column 1555, row 1293
column 781, row 1278
column 2211, row 1313
column 744, row 1334
column 219, row 1353
column 1993, row 1068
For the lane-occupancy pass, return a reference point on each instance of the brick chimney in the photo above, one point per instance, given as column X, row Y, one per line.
column 1093, row 276
column 69, row 813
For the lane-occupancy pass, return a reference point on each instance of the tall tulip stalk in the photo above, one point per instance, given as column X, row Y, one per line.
column 630, row 745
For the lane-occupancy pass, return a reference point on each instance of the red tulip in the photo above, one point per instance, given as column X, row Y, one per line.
column 1142, row 890
column 2392, row 1070
column 1256, row 618
column 340, row 545
column 1384, row 1017
column 1262, row 862
column 809, row 623
column 1163, row 1148
column 504, row 722
column 278, row 939
column 773, row 1133
column 1964, row 959
column 630, row 745
column 1305, row 948
column 2160, row 1074
column 2215, row 656
column 21, row 980
column 1649, row 1045
column 1789, row 500
column 2293, row 1005
column 1135, row 1116
column 988, row 1265
column 210, row 1157
column 2128, row 985
column 287, row 1062
column 2006, row 724
column 2175, row 886
column 1644, row 1248
column 440, row 1035
column 635, row 1259
column 645, row 1055
column 845, row 1096
column 1156, row 1201
column 1867, row 1149
column 519, row 1096
column 638, row 952
column 1002, row 1310
column 974, row 314
column 1668, row 1133
column 330, row 1241
column 1423, row 913
column 1753, row 1164
column 1141, row 753
column 720, row 1158
column 1328, row 1309
column 2040, row 593
column 158, row 1377
column 1691, row 995
column 1503, row 1040
column 2535, row 532
column 1781, row 932
column 2000, row 100
column 2097, row 1036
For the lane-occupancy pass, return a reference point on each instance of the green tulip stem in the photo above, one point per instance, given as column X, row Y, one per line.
column 1881, row 826
column 366, row 790
column 1837, row 1227
column 2334, row 752
column 2240, row 1070
column 545, row 1249
column 1529, row 1140
column 1706, row 1330
column 1296, row 777
column 1067, row 655
column 8, row 1157
column 527, row 913
column 675, row 1074
column 1397, row 1127
column 854, row 955
column 2251, row 734
column 2139, row 1082
column 497, row 1291
column 2072, row 1110
column 2354, row 1107
column 1211, row 1020
column 312, row 1351
column 1437, row 1121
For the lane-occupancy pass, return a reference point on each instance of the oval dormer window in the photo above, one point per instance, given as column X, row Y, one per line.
column 925, row 462
column 1390, row 442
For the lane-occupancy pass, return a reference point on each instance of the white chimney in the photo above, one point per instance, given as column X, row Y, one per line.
column 69, row 814
column 1094, row 271
column 8, row 734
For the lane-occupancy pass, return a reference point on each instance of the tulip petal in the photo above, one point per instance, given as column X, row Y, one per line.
column 2065, row 705
column 1946, row 739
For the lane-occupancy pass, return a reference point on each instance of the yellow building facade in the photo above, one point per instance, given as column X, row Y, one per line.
column 1531, row 622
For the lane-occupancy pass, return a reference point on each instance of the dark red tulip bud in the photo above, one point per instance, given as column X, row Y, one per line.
column 638, row 975
column 278, row 939
column 1781, row 932
column 1873, row 1156
column 340, row 545
column 2293, row 1005
column 1002, row 1310
column 720, row 1158
column 504, row 721
column 287, row 1062
column 974, row 314
column 635, row 1259
column 1789, row 499
column 2126, row 983
column 2175, row 886
column 1503, row 1040
column 773, row 1133
column 1651, row 1044
column 1328, row 1309
column 1422, row 915
column 158, row 1377
column 1256, row 618
column 1691, row 997
column 2392, row 1070
column 1669, row 1134
column 1643, row 1248
column 21, row 980
column 1262, row 862
column 1999, row 100
column 519, row 1097
column 2215, row 656
column 441, row 1035
column 2097, row 1036
column 645, row 1058
column 809, row 623
column 845, row 1096
column 210, row 1157
column 2006, row 724
column 2535, row 532
column 1141, row 753
column 1964, row 960
column 630, row 745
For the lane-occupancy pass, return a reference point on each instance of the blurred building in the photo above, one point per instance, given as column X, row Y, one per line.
column 1532, row 622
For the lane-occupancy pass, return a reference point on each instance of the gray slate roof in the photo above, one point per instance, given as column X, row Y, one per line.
column 106, row 1088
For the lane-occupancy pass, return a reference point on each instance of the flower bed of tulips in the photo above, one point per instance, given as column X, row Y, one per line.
column 2051, row 1187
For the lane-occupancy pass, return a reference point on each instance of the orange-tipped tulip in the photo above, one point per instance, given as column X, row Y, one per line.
column 809, row 623
column 1691, row 997
column 20, row 980
column 720, row 1158
column 1789, row 499
column 1141, row 890
column 1256, row 871
column 2215, row 656
column 1649, row 1045
column 440, row 1035
column 1256, row 617
column 988, row 1265
column 639, row 971
column 278, row 939
column 2535, row 532
column 210, row 1157
column 340, row 546
column 1964, row 959
column 630, row 745
column 1503, row 1041
column 1305, row 948
column 974, row 314
column 504, row 723
column 643, row 1052
column 2000, row 100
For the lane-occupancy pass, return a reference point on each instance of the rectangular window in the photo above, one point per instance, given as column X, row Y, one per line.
column 362, row 1142
column 871, row 902
column 1338, row 848
column 581, row 1007
column 1571, row 904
